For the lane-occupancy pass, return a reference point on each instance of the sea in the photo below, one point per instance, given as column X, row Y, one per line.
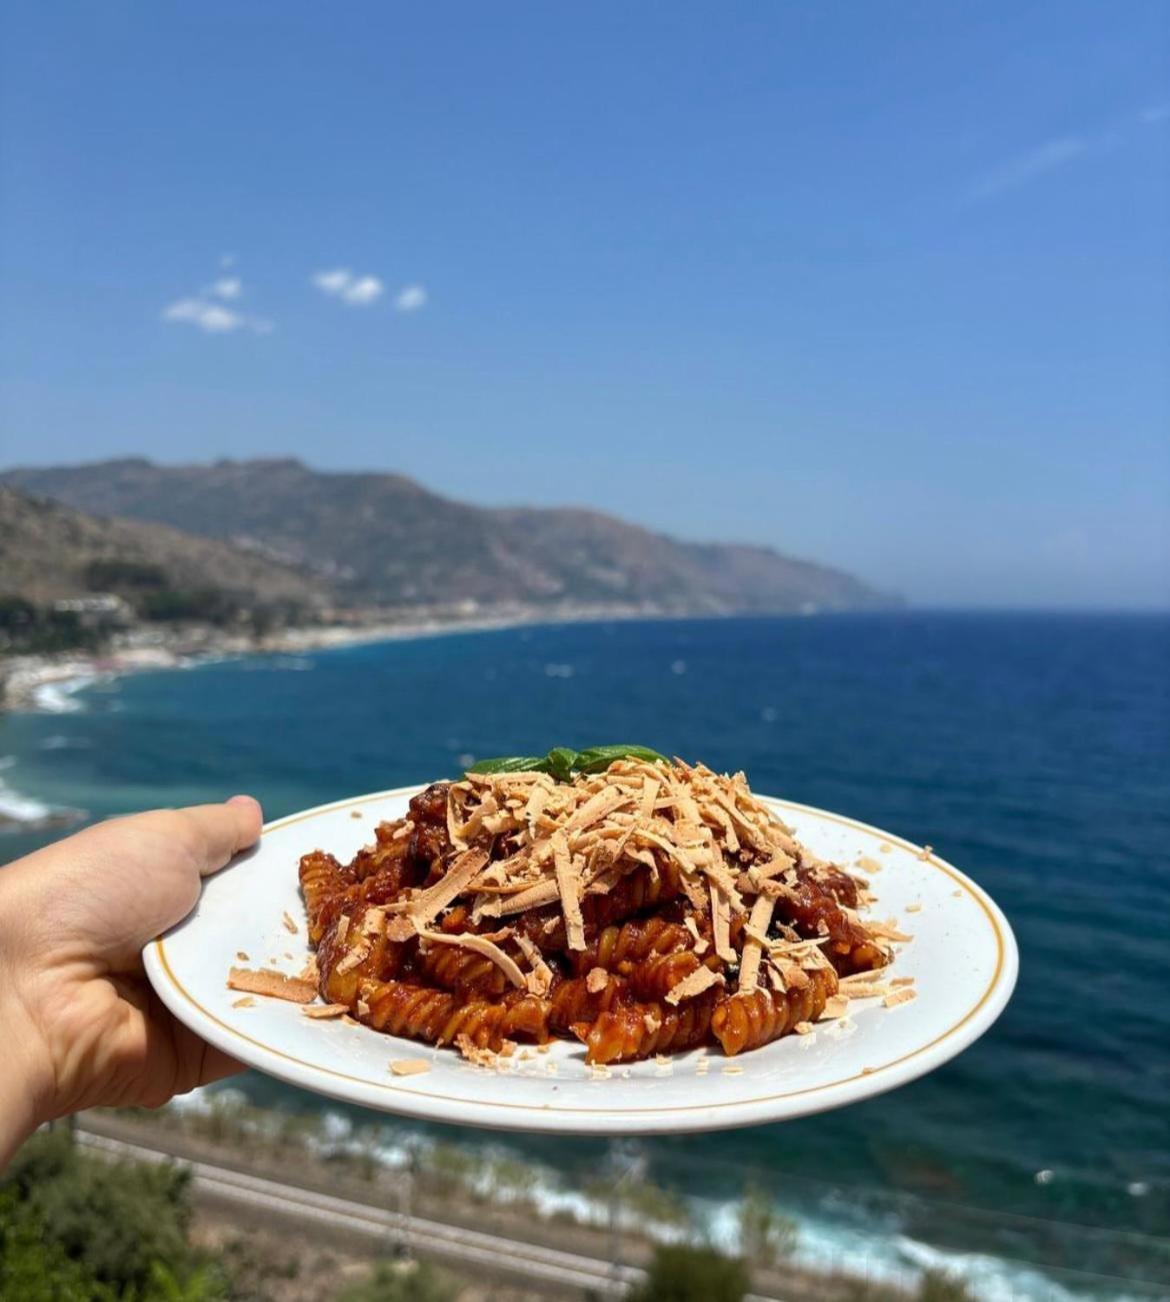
column 1032, row 750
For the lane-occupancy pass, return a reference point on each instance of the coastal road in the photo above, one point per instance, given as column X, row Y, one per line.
column 455, row 1244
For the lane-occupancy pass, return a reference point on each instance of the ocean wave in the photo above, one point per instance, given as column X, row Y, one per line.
column 59, row 741
column 60, row 695
column 876, row 1253
column 18, row 811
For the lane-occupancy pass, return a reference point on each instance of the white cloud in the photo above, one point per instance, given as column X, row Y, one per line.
column 1019, row 171
column 366, row 290
column 213, row 318
column 411, row 298
column 333, row 282
column 205, row 310
column 357, row 291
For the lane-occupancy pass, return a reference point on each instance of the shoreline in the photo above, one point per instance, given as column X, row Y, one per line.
column 831, row 1248
column 47, row 682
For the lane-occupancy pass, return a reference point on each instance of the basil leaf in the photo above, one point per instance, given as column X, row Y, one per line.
column 512, row 764
column 596, row 759
column 560, row 762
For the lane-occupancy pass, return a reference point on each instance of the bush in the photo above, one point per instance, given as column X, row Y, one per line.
column 682, row 1274
column 115, row 575
column 86, row 1228
column 765, row 1235
column 938, row 1286
column 406, row 1281
column 207, row 605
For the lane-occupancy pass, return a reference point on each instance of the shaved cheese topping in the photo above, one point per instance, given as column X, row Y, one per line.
column 453, row 883
column 699, row 980
column 569, row 884
column 539, row 980
column 721, row 925
column 753, row 950
column 489, row 949
column 276, row 985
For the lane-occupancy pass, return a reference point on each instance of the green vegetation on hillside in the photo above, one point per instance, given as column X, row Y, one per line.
column 26, row 627
column 74, row 1228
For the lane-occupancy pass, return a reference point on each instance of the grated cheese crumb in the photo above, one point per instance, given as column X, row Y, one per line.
column 409, row 1066
column 275, row 985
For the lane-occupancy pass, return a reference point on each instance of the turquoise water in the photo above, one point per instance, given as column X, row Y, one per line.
column 1032, row 751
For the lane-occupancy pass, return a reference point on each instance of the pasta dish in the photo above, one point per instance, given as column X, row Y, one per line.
column 638, row 905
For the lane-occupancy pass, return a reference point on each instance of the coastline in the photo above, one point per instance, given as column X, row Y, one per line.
column 47, row 682
column 51, row 682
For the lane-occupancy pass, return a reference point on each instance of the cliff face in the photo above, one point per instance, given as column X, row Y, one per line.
column 384, row 539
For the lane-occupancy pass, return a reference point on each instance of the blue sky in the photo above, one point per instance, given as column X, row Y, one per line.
column 880, row 284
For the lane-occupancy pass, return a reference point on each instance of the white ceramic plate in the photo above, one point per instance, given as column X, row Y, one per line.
column 963, row 958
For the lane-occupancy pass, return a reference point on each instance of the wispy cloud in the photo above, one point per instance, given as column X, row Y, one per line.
column 1026, row 167
column 411, row 298
column 1059, row 152
column 226, row 287
column 357, row 291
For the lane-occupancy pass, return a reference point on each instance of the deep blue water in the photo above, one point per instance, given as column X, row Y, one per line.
column 1032, row 751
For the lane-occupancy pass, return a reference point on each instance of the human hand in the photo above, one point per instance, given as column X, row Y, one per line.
column 81, row 1025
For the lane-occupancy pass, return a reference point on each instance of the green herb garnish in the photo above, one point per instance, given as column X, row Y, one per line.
column 562, row 762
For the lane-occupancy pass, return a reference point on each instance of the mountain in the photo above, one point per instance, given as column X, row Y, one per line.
column 384, row 539
column 50, row 552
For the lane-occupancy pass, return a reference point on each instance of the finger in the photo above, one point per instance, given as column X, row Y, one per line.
column 220, row 831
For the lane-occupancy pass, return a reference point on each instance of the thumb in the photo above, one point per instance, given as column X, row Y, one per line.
column 215, row 833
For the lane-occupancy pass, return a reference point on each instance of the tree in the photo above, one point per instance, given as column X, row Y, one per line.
column 683, row 1274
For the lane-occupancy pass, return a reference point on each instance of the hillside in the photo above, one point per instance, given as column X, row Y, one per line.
column 49, row 552
column 383, row 539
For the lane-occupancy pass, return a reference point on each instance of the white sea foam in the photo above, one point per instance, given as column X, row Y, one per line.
column 827, row 1243
column 26, row 811
column 60, row 695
